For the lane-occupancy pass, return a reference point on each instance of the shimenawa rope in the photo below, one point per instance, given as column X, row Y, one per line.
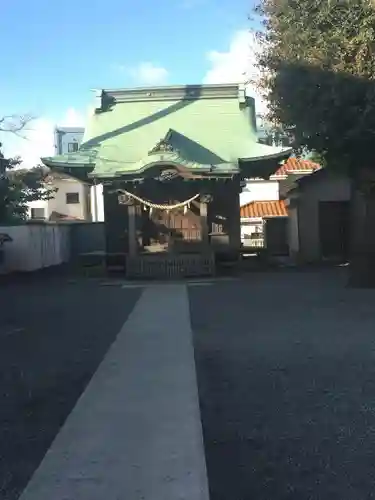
column 156, row 205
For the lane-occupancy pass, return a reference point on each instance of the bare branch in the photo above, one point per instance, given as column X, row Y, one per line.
column 15, row 124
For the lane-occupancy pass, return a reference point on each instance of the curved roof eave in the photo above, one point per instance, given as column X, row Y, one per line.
column 53, row 163
column 283, row 153
column 167, row 160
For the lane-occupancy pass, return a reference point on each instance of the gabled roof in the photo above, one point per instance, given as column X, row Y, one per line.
column 209, row 126
column 292, row 165
column 296, row 166
column 314, row 177
column 321, row 175
column 264, row 209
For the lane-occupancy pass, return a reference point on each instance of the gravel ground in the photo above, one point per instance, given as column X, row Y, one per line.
column 286, row 372
column 53, row 336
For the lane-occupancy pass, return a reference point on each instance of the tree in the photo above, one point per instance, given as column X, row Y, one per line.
column 18, row 187
column 15, row 124
column 318, row 72
column 272, row 134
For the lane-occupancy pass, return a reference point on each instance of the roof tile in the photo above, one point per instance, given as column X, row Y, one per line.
column 294, row 164
column 261, row 209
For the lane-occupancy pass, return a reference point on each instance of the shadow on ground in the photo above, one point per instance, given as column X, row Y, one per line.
column 286, row 373
column 53, row 336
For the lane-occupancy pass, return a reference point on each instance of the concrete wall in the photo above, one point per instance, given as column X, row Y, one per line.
column 326, row 188
column 35, row 246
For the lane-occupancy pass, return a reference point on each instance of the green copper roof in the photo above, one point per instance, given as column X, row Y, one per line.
column 203, row 128
column 79, row 159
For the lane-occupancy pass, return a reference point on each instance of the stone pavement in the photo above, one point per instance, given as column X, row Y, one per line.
column 286, row 375
column 135, row 433
column 286, row 378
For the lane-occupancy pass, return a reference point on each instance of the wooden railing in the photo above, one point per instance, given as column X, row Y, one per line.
column 188, row 234
column 169, row 266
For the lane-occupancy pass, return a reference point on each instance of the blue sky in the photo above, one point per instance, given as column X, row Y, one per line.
column 55, row 52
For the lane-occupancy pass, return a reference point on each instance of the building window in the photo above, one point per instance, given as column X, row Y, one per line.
column 72, row 198
column 72, row 147
column 37, row 213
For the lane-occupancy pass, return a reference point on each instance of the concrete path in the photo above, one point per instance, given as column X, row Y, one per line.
column 135, row 433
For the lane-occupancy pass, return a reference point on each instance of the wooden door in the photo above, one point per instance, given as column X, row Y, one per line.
column 334, row 229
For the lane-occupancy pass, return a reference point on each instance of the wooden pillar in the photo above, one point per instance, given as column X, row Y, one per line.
column 204, row 200
column 132, row 229
column 94, row 202
column 146, row 224
column 86, row 203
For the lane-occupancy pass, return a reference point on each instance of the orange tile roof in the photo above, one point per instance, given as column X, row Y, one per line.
column 296, row 165
column 261, row 209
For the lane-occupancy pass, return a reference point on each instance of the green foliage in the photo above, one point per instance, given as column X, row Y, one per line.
column 318, row 67
column 316, row 157
column 276, row 136
column 19, row 187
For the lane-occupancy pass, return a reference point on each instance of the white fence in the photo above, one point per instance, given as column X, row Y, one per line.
column 35, row 247
column 253, row 242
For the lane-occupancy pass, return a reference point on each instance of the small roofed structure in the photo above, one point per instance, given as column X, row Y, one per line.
column 171, row 160
column 319, row 217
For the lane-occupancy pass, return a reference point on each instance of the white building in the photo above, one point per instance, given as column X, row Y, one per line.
column 70, row 201
column 73, row 200
column 68, row 139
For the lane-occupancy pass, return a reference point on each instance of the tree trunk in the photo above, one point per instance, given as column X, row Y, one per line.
column 362, row 238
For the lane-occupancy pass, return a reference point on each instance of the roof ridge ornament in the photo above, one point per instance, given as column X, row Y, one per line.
column 163, row 146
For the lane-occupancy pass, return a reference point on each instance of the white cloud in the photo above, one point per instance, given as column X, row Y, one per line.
column 37, row 140
column 237, row 65
column 72, row 118
column 148, row 73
